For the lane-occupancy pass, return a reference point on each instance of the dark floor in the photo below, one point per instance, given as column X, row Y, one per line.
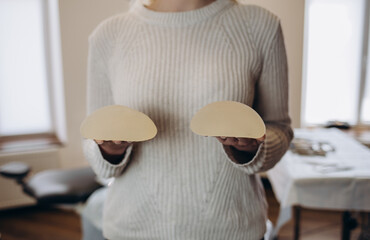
column 34, row 223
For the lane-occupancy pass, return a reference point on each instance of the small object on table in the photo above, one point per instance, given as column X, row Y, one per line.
column 337, row 124
column 308, row 147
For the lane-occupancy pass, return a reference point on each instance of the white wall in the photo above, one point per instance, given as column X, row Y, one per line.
column 291, row 14
column 78, row 19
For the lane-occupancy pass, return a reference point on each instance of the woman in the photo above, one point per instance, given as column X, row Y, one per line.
column 168, row 59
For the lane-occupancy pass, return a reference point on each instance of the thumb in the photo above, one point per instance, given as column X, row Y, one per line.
column 261, row 139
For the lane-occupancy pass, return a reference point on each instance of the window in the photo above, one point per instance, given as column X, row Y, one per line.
column 30, row 70
column 365, row 111
column 336, row 39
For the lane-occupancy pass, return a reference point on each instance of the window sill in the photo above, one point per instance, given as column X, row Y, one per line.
column 29, row 143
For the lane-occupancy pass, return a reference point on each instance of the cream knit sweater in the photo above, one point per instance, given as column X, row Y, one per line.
column 168, row 66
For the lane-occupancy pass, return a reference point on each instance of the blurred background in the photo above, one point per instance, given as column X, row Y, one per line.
column 43, row 59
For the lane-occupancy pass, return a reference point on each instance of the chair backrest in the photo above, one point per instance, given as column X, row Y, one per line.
column 62, row 186
column 15, row 170
column 58, row 186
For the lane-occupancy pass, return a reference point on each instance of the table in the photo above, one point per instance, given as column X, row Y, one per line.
column 338, row 181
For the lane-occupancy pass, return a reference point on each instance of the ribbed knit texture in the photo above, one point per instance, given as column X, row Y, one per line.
column 169, row 65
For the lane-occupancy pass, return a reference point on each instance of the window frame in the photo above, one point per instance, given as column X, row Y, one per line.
column 365, row 58
column 363, row 71
column 56, row 137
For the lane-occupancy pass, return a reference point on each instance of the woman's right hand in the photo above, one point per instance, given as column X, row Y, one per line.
column 113, row 151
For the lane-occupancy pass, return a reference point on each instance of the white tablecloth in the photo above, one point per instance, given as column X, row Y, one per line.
column 338, row 181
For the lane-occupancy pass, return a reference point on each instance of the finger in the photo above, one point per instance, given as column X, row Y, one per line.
column 99, row 141
column 230, row 141
column 261, row 139
column 220, row 139
column 245, row 141
column 119, row 143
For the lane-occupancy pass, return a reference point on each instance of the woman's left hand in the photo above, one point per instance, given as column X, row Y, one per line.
column 242, row 144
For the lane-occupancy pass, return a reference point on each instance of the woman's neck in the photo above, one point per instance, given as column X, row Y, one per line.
column 177, row 5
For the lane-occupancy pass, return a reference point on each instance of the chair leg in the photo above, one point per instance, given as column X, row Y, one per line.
column 348, row 224
column 345, row 230
column 297, row 221
column 365, row 226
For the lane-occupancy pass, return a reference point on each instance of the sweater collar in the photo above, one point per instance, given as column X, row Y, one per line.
column 179, row 18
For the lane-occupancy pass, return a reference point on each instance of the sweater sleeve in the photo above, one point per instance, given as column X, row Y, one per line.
column 271, row 102
column 99, row 94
